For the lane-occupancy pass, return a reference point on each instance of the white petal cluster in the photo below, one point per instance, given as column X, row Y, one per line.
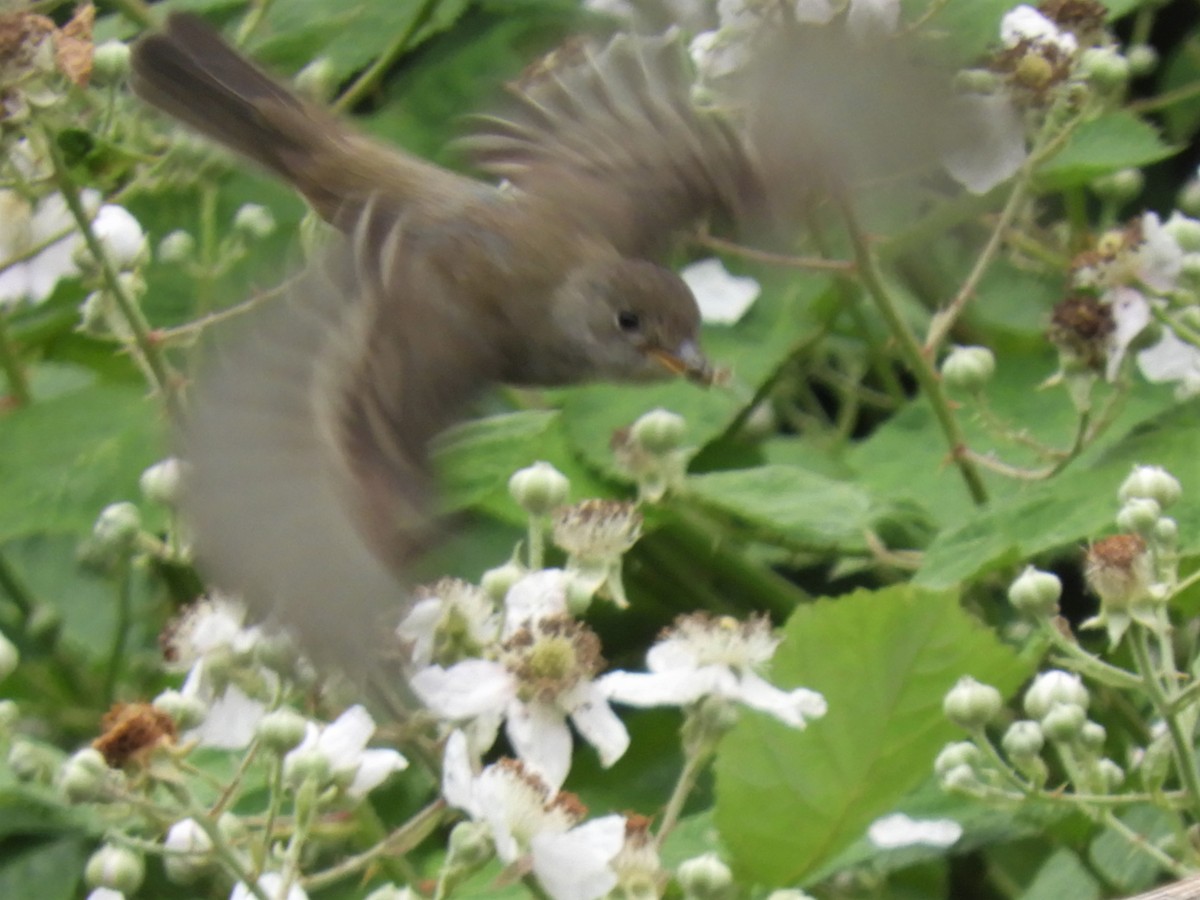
column 342, row 745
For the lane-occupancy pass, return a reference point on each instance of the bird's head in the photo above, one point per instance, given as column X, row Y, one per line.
column 630, row 320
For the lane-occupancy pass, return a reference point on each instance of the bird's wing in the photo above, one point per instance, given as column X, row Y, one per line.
column 308, row 489
column 613, row 139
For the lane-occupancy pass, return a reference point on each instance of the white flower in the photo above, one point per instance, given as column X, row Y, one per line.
column 1026, row 24
column 343, row 746
column 705, row 656
column 22, row 229
column 898, row 830
column 231, row 715
column 103, row 893
column 988, row 145
column 1172, row 360
column 212, row 625
column 1158, row 259
column 723, row 298
column 527, row 818
column 544, row 677
column 536, row 596
column 271, row 884
column 455, row 620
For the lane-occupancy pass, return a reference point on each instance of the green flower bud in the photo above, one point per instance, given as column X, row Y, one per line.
column 1052, row 688
column 705, row 878
column 114, row 867
column 85, row 776
column 317, row 80
column 789, row 894
column 254, row 221
column 110, row 62
column 960, row 778
column 281, row 730
column 968, row 369
column 1186, row 232
column 1064, row 723
column 1023, row 740
column 189, row 851
column 1036, row 593
column 1166, row 533
column 1105, row 68
column 1120, row 186
column 1189, row 198
column 1143, row 59
column 959, row 753
column 470, row 846
column 117, row 527
column 1139, row 515
column 9, row 714
column 497, row 582
column 1151, row 482
column 33, row 762
column 659, row 431
column 160, row 482
column 231, row 828
column 185, row 712
column 392, row 892
column 1111, row 774
column 10, row 657
column 177, row 247
column 539, row 489
column 1092, row 736
column 300, row 766
column 971, row 705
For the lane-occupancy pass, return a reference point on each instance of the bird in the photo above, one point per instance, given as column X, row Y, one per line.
column 309, row 489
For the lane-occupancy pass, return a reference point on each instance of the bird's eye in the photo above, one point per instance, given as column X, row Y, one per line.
column 628, row 321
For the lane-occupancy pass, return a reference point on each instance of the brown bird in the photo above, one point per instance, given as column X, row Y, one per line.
column 309, row 489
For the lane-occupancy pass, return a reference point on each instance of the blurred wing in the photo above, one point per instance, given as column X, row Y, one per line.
column 614, row 139
column 308, row 489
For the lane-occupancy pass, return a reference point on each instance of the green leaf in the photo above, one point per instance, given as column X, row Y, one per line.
column 1080, row 503
column 65, row 459
column 1115, row 141
column 50, row 870
column 1181, row 72
column 1124, row 865
column 1063, row 875
column 792, row 504
column 788, row 801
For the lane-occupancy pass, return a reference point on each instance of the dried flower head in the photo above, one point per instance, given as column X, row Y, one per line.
column 131, row 732
column 1080, row 327
column 597, row 530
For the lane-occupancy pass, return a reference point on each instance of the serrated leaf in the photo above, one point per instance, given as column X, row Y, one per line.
column 1115, row 141
column 1063, row 875
column 788, row 801
column 1124, row 865
column 1080, row 503
column 791, row 503
column 64, row 459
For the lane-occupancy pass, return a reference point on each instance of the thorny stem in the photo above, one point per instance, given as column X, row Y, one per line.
column 399, row 842
column 808, row 263
column 146, row 346
column 370, row 79
column 918, row 362
column 1184, row 753
column 1073, row 656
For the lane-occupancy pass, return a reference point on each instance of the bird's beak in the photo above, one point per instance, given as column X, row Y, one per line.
column 685, row 360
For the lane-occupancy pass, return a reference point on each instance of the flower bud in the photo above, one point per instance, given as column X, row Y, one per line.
column 1189, row 198
column 659, row 431
column 1139, row 515
column 789, row 894
column 1166, row 533
column 254, row 221
column 960, row 753
column 282, row 729
column 34, row 762
column 9, row 714
column 317, row 80
column 117, row 528
column 231, row 828
column 110, row 61
column 1120, row 186
column 497, row 582
column 10, row 657
column 1143, row 59
column 968, row 369
column 309, row 764
column 1111, row 774
column 1035, row 593
column 160, row 482
column 1186, row 232
column 185, row 712
column 1064, row 722
column 121, row 236
column 44, row 623
column 1023, row 740
column 85, row 776
column 1092, row 736
column 1152, row 482
column 971, row 705
column 115, row 867
column 177, row 247
column 1051, row 688
column 392, row 892
column 1105, row 68
column 960, row 778
column 1118, row 570
column 976, row 81
column 470, row 846
column 189, row 851
column 705, row 878
column 539, row 489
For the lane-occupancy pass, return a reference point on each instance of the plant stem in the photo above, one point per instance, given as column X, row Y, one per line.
column 918, row 362
column 10, row 361
column 369, row 80
column 116, row 656
column 400, row 841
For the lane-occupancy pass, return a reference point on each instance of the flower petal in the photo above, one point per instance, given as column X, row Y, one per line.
column 599, row 725
column 539, row 734
column 374, row 766
column 577, row 865
column 465, row 690
column 790, row 707
column 723, row 298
